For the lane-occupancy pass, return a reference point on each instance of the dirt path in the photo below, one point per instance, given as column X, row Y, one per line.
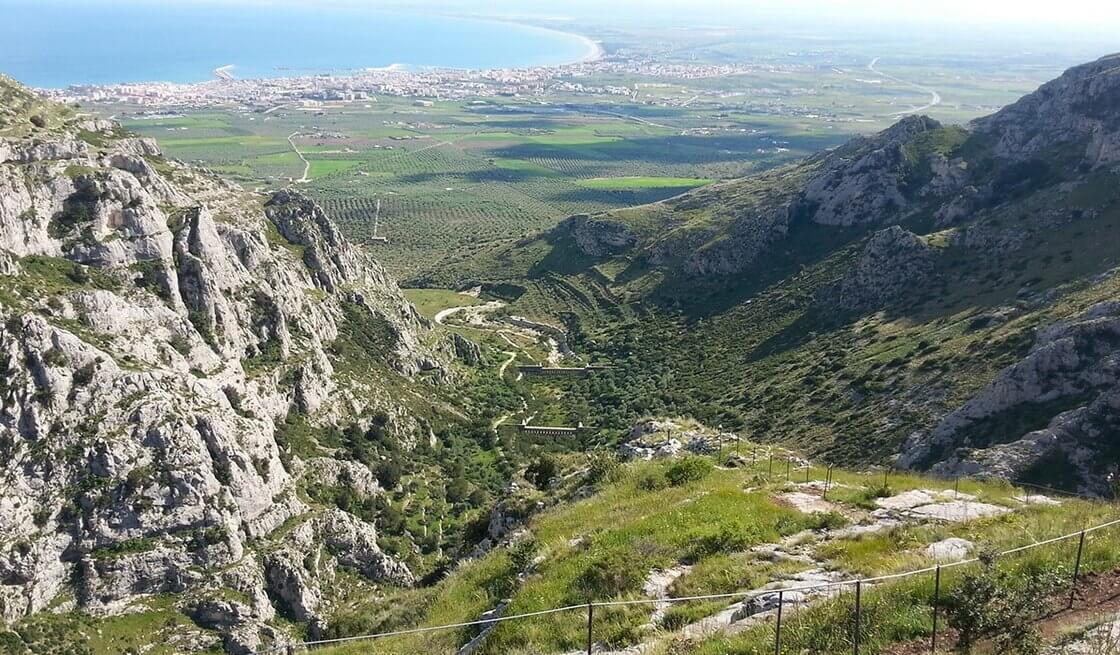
column 306, row 164
column 934, row 100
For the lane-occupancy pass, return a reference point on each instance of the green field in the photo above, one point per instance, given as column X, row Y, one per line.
column 459, row 175
column 430, row 301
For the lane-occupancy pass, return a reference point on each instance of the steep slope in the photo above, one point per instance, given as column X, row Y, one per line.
column 158, row 325
column 926, row 289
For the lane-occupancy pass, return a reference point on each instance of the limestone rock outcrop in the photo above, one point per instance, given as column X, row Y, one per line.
column 1077, row 109
column 155, row 325
column 1068, row 383
column 892, row 262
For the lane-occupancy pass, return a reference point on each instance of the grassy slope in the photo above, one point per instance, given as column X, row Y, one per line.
column 603, row 548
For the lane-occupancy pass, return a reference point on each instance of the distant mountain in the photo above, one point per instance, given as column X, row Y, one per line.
column 941, row 293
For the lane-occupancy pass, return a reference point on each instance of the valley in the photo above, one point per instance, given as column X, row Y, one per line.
column 722, row 342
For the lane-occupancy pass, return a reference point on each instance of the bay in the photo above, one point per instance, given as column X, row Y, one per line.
column 55, row 43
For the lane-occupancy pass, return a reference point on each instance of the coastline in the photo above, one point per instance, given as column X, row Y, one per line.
column 593, row 51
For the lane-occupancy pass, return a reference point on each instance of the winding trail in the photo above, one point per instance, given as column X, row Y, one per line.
column 306, row 164
column 934, row 96
column 505, row 364
column 476, row 319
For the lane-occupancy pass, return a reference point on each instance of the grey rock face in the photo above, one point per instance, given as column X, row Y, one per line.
column 1073, row 369
column 892, row 263
column 599, row 237
column 138, row 401
column 466, row 350
column 862, row 183
column 1077, row 109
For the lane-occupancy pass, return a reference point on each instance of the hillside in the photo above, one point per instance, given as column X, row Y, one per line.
column 644, row 533
column 202, row 391
column 941, row 291
column 225, row 428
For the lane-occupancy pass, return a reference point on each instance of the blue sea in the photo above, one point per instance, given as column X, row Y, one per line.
column 54, row 43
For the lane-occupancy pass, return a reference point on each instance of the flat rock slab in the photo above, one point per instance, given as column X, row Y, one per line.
column 659, row 580
column 852, row 531
column 822, row 485
column 952, row 549
column 1036, row 499
column 906, row 500
column 807, row 503
column 957, row 511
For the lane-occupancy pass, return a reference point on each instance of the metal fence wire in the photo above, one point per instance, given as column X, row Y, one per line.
column 849, row 616
column 842, row 617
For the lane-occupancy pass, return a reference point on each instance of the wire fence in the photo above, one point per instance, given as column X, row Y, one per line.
column 845, row 616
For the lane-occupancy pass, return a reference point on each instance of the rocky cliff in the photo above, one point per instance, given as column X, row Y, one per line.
column 157, row 323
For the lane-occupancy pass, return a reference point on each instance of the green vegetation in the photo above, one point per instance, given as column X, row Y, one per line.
column 146, row 630
column 604, row 547
column 430, row 302
column 615, row 183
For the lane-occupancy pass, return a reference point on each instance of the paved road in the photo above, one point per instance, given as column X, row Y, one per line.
column 934, row 96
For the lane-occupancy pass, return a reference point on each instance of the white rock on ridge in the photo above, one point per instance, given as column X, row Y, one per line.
column 953, row 549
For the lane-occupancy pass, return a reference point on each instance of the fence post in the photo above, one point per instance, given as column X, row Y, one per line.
column 855, row 637
column 1076, row 568
column 778, row 626
column 808, row 468
column 936, row 603
column 590, row 618
column 770, row 469
column 789, row 462
column 827, row 482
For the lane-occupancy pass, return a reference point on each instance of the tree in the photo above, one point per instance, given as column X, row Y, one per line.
column 389, row 474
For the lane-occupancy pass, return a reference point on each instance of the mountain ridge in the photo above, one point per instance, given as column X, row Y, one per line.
column 963, row 240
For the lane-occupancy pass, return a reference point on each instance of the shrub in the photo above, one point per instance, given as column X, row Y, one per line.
column 1002, row 606
column 523, row 553
column 652, row 480
column 38, row 120
column 689, row 469
column 84, row 374
column 827, row 521
column 542, row 471
column 389, row 474
column 78, row 274
column 603, row 467
column 54, row 358
column 608, row 575
column 724, row 541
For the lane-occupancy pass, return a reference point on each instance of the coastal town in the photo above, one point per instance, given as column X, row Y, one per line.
column 587, row 77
